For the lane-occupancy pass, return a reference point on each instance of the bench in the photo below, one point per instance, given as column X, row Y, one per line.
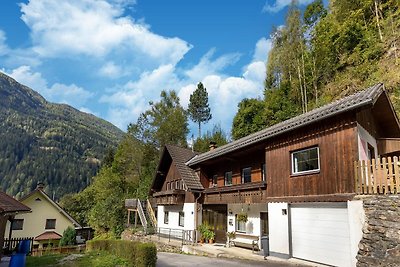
column 245, row 240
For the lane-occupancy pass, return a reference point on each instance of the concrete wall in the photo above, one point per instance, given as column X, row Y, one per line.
column 35, row 222
column 356, row 217
column 278, row 229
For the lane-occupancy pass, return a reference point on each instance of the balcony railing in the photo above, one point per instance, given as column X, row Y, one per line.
column 380, row 176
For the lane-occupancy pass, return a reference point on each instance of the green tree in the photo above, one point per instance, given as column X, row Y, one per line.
column 249, row 118
column 217, row 135
column 69, row 237
column 199, row 110
column 164, row 123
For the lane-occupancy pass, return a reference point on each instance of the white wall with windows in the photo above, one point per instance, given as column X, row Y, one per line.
column 253, row 224
column 176, row 216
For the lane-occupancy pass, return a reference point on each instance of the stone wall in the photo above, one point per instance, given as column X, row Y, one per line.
column 162, row 245
column 380, row 245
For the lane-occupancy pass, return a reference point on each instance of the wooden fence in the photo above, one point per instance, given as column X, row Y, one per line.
column 59, row 250
column 380, row 176
column 11, row 244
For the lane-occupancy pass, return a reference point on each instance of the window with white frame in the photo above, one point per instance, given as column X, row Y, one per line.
column 181, row 218
column 305, row 160
column 240, row 226
column 166, row 215
column 263, row 172
column 246, row 175
column 228, row 178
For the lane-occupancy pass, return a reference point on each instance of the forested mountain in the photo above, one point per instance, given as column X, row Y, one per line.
column 322, row 54
column 52, row 143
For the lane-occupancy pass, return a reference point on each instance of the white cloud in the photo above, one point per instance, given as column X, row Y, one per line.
column 111, row 70
column 3, row 46
column 263, row 46
column 95, row 28
column 278, row 5
column 61, row 93
column 225, row 92
column 208, row 66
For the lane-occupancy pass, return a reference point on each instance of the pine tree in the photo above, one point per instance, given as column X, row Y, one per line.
column 199, row 110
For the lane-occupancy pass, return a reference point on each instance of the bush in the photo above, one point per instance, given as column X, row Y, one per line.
column 69, row 237
column 138, row 254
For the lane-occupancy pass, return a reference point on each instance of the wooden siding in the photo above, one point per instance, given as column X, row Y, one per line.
column 172, row 176
column 337, row 142
column 253, row 159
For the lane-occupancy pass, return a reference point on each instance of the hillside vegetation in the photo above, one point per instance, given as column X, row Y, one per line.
column 52, row 143
column 323, row 54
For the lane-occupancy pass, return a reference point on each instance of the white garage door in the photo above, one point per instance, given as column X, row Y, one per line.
column 320, row 233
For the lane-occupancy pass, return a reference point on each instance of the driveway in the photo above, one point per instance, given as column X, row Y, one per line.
column 182, row 260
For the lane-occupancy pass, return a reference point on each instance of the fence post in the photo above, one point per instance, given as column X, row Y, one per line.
column 169, row 235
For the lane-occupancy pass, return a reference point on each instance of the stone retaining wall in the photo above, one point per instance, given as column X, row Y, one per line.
column 380, row 245
column 161, row 246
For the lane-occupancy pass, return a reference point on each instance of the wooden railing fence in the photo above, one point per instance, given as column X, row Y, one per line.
column 380, row 176
column 11, row 244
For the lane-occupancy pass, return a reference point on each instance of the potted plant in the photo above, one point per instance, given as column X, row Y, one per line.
column 210, row 236
column 242, row 217
column 202, row 228
column 230, row 236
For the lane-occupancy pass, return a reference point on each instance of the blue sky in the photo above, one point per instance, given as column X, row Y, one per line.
column 111, row 57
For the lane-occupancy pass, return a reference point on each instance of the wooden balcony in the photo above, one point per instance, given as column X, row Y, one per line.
column 241, row 193
column 169, row 197
column 380, row 176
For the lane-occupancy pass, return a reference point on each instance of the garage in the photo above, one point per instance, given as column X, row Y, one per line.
column 320, row 233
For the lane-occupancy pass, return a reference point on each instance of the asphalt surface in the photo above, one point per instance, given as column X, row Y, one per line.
column 182, row 260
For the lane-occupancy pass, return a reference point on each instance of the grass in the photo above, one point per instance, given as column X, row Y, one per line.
column 93, row 259
column 47, row 260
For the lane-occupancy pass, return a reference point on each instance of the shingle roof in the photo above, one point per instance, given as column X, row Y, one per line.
column 180, row 156
column 359, row 99
column 49, row 235
column 9, row 204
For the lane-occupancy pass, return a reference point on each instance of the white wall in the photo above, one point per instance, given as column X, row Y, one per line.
column 364, row 138
column 173, row 218
column 356, row 222
column 253, row 225
column 278, row 228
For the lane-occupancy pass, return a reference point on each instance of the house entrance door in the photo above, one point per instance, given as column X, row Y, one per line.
column 216, row 217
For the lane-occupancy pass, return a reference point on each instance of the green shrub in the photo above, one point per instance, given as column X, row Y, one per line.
column 69, row 237
column 138, row 254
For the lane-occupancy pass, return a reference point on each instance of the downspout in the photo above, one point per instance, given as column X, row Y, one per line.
column 196, row 213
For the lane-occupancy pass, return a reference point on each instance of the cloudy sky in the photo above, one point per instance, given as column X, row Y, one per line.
column 111, row 57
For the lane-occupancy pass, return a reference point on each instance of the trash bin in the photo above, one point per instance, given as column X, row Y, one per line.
column 265, row 245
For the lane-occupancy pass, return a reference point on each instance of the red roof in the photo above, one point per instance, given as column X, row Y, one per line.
column 9, row 204
column 49, row 235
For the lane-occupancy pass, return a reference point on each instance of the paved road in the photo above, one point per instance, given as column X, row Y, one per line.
column 183, row 260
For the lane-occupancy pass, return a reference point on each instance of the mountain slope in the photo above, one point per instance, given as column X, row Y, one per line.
column 52, row 143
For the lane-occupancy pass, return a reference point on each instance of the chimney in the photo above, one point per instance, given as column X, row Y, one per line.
column 213, row 145
column 40, row 186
